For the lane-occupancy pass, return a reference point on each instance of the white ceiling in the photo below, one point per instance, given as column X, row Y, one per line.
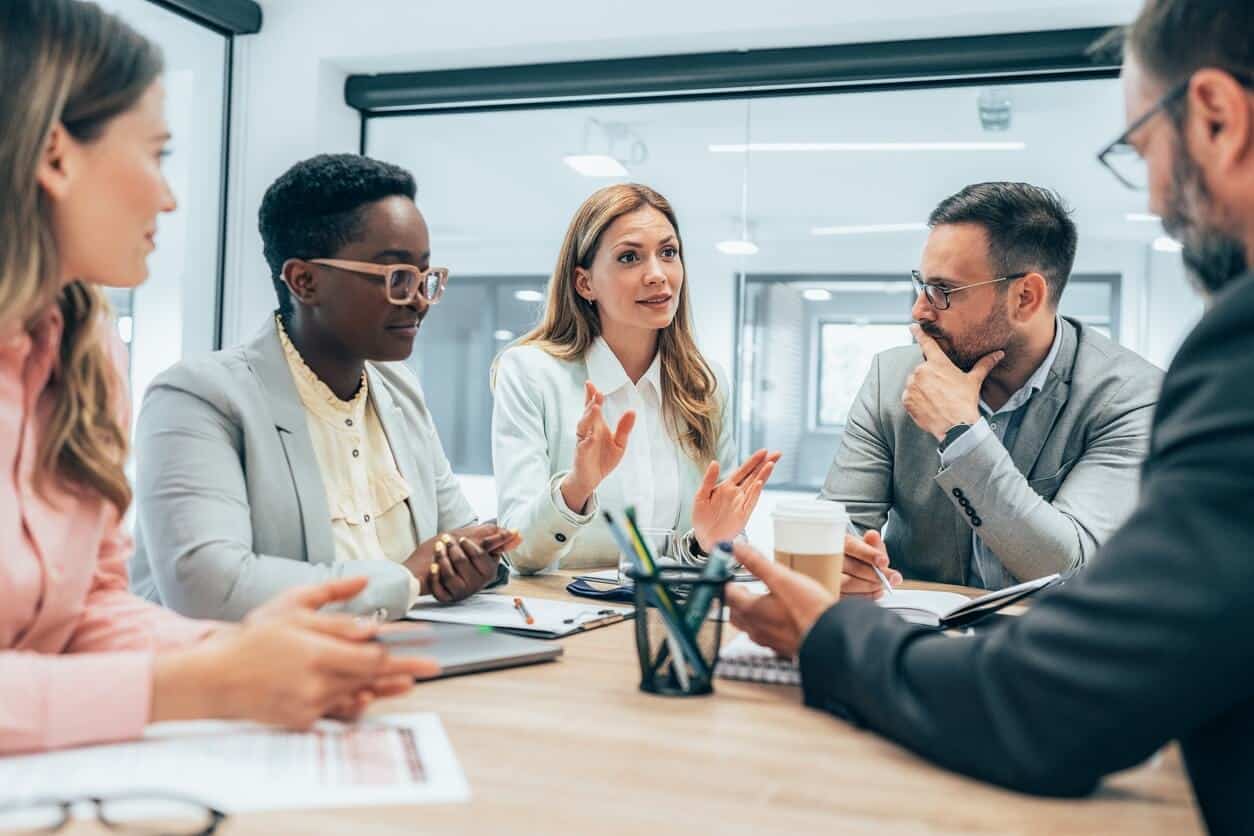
column 399, row 35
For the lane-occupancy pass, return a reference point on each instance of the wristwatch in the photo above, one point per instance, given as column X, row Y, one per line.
column 951, row 435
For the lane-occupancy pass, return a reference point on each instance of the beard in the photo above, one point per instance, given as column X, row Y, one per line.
column 1212, row 257
column 993, row 334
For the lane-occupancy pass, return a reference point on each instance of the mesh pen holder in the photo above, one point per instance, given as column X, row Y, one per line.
column 671, row 620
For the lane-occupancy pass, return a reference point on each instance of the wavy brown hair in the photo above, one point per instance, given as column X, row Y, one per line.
column 64, row 62
column 571, row 323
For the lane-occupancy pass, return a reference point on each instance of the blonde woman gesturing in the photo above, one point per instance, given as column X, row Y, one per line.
column 609, row 402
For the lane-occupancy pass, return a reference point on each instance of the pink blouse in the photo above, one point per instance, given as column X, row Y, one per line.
column 76, row 647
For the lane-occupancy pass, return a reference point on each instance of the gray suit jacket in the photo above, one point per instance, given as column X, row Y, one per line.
column 230, row 504
column 1045, row 506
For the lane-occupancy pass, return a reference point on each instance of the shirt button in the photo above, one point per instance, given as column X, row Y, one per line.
column 348, row 421
column 366, row 518
column 977, row 522
column 356, row 453
column 994, row 426
column 559, row 537
column 958, row 492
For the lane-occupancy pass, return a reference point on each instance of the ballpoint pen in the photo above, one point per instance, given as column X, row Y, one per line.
column 522, row 610
column 888, row 590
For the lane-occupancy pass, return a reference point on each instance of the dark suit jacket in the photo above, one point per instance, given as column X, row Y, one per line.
column 1153, row 641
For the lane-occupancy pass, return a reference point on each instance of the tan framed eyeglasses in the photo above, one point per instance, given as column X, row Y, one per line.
column 404, row 282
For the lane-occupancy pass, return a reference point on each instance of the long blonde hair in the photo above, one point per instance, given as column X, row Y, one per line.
column 66, row 62
column 571, row 323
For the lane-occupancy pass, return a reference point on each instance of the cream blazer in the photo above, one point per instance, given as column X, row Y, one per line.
column 538, row 402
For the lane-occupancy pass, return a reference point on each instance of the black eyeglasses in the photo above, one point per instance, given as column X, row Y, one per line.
column 1122, row 159
column 142, row 814
column 938, row 297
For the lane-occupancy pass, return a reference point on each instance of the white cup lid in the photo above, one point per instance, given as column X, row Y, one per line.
column 809, row 510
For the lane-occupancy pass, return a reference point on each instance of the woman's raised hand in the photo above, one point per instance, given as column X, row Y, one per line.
column 720, row 510
column 598, row 450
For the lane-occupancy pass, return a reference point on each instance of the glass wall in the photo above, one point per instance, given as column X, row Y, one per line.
column 175, row 312
column 801, row 215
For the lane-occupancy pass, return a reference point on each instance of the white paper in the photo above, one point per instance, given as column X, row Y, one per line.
column 239, row 767
column 496, row 610
column 922, row 602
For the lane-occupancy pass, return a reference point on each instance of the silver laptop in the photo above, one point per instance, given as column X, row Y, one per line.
column 460, row 649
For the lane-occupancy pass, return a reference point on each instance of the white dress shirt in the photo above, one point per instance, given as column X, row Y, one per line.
column 537, row 405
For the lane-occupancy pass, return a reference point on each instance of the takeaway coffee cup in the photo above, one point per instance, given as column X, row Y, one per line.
column 810, row 539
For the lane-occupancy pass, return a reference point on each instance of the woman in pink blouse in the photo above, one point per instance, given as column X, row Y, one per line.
column 81, row 659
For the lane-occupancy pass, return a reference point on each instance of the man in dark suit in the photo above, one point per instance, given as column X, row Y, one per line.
column 1154, row 640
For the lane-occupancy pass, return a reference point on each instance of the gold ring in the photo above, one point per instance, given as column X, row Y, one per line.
column 446, row 539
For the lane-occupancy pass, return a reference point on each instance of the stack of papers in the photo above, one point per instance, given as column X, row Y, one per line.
column 239, row 767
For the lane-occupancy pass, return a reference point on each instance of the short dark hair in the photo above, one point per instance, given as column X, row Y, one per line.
column 314, row 208
column 1029, row 229
column 1173, row 39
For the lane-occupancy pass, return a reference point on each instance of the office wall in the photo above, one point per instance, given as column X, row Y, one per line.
column 288, row 94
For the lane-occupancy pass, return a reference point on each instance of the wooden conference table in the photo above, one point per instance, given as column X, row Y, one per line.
column 573, row 747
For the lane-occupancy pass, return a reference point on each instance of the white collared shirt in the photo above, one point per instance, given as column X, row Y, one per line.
column 648, row 475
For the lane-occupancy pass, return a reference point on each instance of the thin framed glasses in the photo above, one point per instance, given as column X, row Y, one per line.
column 404, row 282
column 1121, row 157
column 141, row 814
column 938, row 297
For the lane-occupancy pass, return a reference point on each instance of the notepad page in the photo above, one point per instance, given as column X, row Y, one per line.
column 921, row 606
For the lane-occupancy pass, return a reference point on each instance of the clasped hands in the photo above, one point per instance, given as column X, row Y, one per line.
column 458, row 563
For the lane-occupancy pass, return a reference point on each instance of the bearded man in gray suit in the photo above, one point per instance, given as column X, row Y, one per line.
column 1006, row 444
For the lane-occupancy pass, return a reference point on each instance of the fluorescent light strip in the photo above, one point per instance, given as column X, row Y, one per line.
column 867, row 229
column 737, row 247
column 1163, row 244
column 809, row 147
column 1141, row 217
column 528, row 296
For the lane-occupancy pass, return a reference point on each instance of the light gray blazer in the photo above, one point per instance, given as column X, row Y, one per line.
column 230, row 504
column 1045, row 506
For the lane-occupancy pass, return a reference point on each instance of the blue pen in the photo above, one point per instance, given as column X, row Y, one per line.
column 699, row 603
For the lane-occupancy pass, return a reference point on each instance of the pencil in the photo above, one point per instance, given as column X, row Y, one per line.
column 522, row 610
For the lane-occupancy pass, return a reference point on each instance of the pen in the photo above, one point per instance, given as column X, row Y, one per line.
column 522, row 611
column 888, row 590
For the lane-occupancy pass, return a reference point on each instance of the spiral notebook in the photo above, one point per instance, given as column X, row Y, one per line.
column 745, row 660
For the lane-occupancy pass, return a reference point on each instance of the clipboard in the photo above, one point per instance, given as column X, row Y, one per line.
column 551, row 619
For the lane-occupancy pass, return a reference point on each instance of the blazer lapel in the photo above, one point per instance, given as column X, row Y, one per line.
column 279, row 390
column 1044, row 407
column 421, row 507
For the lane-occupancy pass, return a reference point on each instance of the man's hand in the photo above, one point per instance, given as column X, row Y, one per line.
column 938, row 394
column 858, row 578
column 780, row 619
